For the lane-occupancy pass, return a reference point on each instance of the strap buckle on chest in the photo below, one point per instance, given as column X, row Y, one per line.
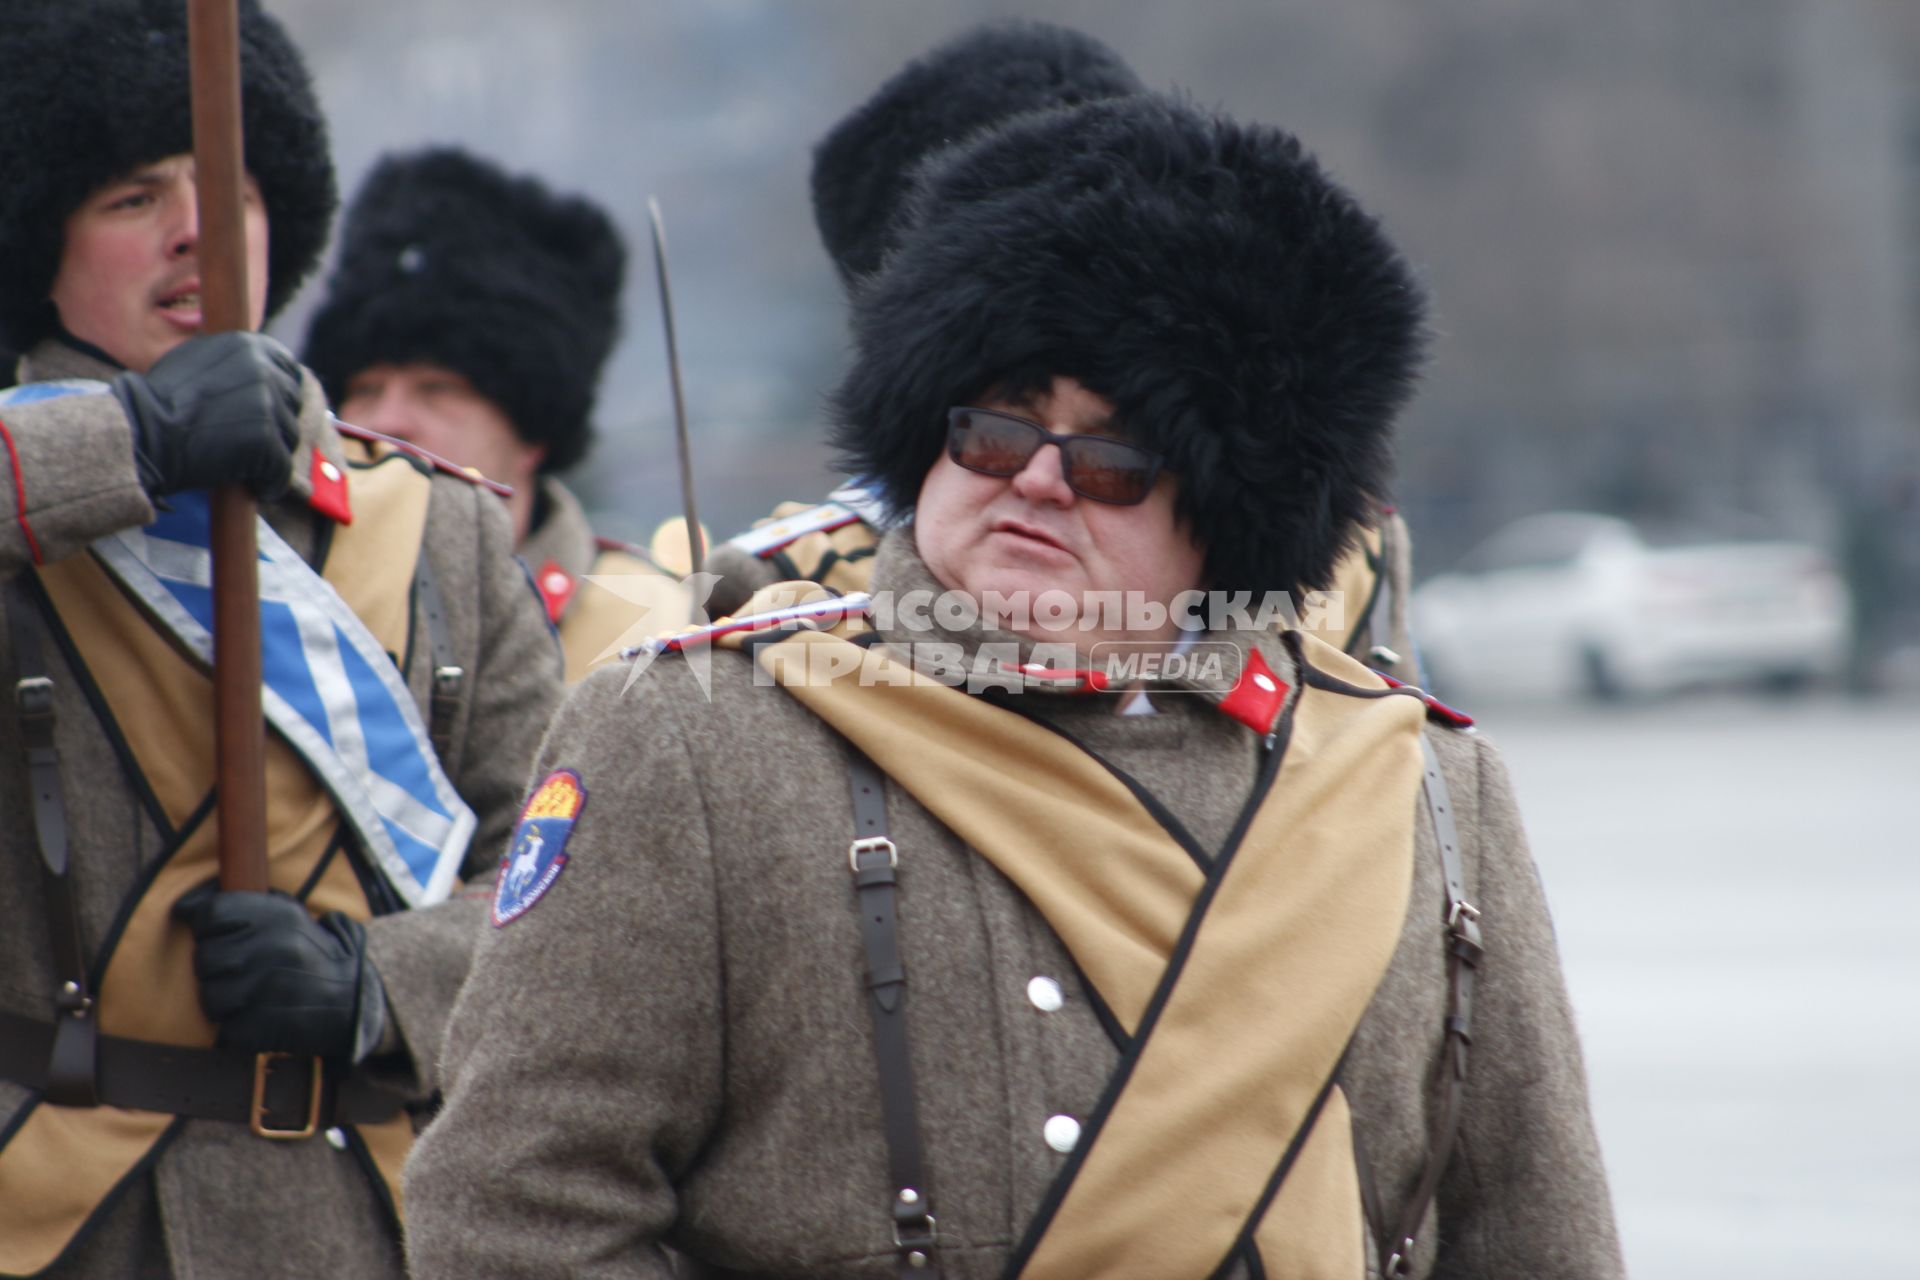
column 872, row 844
column 448, row 680
column 258, row 1114
column 1463, row 923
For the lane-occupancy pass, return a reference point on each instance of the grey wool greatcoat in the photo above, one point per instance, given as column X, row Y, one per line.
column 672, row 1048
column 219, row 1202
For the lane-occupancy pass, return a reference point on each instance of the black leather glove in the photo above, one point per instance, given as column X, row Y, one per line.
column 222, row 408
column 274, row 978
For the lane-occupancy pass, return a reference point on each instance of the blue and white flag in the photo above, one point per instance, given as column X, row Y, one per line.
column 328, row 686
column 329, row 689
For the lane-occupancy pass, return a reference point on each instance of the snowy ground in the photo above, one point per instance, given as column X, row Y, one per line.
column 1736, row 886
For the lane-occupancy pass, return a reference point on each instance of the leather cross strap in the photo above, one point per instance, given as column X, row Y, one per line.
column 204, row 1084
column 448, row 675
column 70, row 1052
column 1463, row 957
column 874, row 861
column 1380, row 615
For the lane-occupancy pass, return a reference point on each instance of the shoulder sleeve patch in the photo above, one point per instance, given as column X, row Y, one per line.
column 537, row 854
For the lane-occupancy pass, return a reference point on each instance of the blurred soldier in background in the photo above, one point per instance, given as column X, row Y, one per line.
column 862, row 172
column 1173, row 984
column 470, row 314
column 193, row 1082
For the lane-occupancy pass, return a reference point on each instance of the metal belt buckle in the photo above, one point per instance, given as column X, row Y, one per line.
column 257, row 1116
column 872, row 844
column 34, row 694
column 1463, row 928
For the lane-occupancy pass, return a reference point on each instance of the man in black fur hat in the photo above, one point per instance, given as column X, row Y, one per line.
column 1001, row 925
column 862, row 171
column 470, row 314
column 195, row 1082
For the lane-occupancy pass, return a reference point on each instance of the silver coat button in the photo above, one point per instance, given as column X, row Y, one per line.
column 336, row 1139
column 1061, row 1133
column 1045, row 995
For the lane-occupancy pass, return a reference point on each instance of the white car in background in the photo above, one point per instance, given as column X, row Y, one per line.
column 1567, row 603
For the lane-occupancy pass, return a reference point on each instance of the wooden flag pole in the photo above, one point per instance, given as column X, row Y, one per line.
column 240, row 740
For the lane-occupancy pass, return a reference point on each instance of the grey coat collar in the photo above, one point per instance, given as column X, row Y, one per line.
column 563, row 535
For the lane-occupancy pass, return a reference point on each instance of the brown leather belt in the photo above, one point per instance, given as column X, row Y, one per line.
column 279, row 1095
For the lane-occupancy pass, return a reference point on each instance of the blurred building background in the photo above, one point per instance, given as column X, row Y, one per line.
column 1674, row 244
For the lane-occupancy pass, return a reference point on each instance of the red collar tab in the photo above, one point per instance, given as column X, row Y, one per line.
column 1256, row 699
column 818, row 613
column 556, row 588
column 330, row 490
column 1076, row 679
column 1436, row 709
column 427, row 456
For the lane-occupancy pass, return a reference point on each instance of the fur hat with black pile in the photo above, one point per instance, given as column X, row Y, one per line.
column 1244, row 315
column 863, row 168
column 446, row 259
column 92, row 89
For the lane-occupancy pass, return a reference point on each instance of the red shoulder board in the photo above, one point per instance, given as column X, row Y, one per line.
column 1436, row 709
column 776, row 535
column 433, row 460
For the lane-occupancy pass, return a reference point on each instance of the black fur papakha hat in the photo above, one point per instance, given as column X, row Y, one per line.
column 1243, row 314
column 92, row 89
column 863, row 168
column 446, row 259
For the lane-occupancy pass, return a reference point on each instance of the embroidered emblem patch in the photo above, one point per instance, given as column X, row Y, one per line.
column 538, row 851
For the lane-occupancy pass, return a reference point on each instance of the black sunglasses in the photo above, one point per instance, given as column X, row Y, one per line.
column 1102, row 468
